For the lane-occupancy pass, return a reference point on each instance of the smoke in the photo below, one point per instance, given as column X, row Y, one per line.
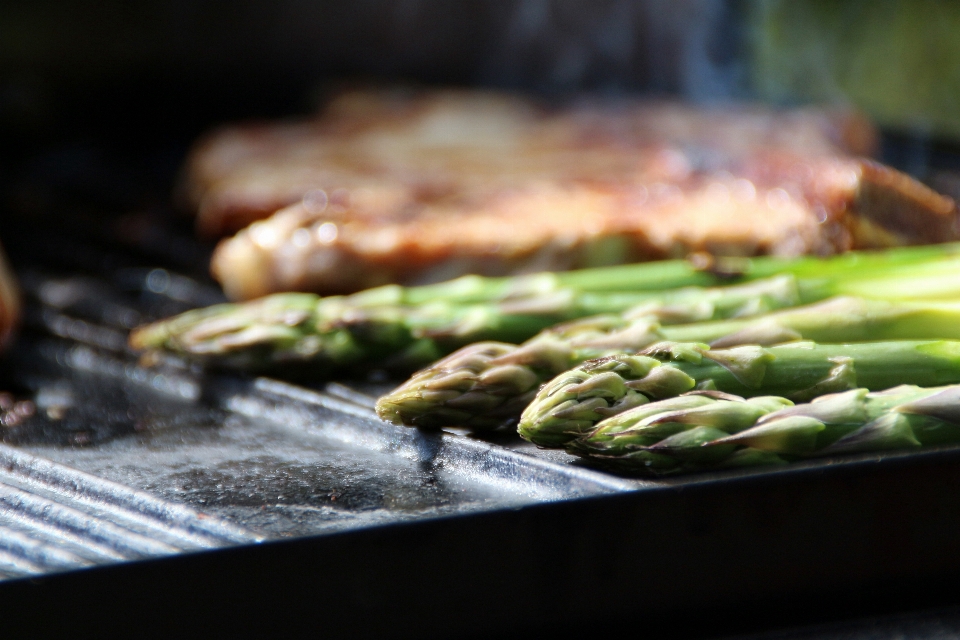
column 687, row 47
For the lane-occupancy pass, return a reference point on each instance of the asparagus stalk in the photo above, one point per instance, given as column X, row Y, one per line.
column 331, row 333
column 463, row 377
column 705, row 431
column 842, row 319
column 701, row 271
column 486, row 384
column 573, row 402
column 324, row 335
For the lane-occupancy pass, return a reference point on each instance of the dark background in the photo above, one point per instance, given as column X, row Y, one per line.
column 133, row 83
column 104, row 98
column 154, row 67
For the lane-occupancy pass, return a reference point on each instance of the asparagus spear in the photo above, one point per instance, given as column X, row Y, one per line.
column 324, row 335
column 331, row 333
column 842, row 319
column 463, row 378
column 724, row 431
column 486, row 384
column 573, row 402
column 701, row 271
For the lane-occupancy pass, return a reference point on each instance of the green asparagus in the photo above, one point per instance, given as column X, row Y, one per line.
column 711, row 431
column 331, row 333
column 700, row 271
column 384, row 328
column 573, row 402
column 478, row 405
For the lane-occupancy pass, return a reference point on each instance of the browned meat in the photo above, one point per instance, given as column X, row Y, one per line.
column 782, row 205
column 394, row 148
column 420, row 189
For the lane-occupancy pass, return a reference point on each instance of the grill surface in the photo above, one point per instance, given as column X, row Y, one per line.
column 274, row 459
column 54, row 518
column 128, row 467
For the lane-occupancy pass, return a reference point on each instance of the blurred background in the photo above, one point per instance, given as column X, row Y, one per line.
column 100, row 101
column 149, row 76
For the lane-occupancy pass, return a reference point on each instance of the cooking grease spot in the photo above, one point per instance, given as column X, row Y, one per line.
column 263, row 235
column 743, row 190
column 301, row 238
column 315, row 201
column 327, row 233
column 340, row 199
column 777, row 198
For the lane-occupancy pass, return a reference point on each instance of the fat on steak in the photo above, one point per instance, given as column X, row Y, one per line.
column 418, row 187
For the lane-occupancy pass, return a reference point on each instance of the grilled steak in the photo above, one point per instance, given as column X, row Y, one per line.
column 799, row 207
column 403, row 146
column 424, row 188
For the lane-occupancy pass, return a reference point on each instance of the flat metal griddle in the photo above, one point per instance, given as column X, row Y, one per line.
column 252, row 504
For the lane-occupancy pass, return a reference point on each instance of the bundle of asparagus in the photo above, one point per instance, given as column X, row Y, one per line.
column 647, row 358
column 487, row 384
column 711, row 430
column 405, row 328
column 571, row 404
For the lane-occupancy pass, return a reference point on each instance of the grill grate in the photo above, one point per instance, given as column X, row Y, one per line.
column 170, row 459
column 54, row 518
column 148, row 462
